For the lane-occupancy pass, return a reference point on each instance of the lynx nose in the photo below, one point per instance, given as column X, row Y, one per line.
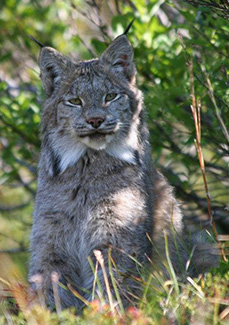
column 95, row 121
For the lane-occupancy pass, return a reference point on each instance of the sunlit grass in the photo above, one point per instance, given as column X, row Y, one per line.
column 203, row 300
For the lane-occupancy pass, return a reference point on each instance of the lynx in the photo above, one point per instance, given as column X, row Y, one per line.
column 97, row 186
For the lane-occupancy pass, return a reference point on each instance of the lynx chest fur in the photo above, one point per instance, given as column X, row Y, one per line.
column 93, row 205
column 97, row 187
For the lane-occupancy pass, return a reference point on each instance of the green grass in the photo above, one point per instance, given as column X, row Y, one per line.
column 203, row 300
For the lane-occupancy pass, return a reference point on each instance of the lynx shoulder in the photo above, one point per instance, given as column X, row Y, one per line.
column 97, row 186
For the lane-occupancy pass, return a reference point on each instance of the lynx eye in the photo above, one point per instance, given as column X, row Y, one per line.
column 110, row 97
column 75, row 101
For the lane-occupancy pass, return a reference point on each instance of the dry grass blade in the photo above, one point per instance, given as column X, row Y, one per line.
column 195, row 107
column 37, row 280
column 24, row 299
column 78, row 295
column 55, row 280
column 197, row 287
column 223, row 237
column 224, row 314
column 100, row 259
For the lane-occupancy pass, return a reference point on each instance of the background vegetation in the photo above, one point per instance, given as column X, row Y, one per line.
column 167, row 37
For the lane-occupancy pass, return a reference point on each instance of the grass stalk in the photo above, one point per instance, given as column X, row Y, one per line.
column 55, row 280
column 96, row 280
column 198, row 288
column 224, row 314
column 171, row 269
column 146, row 289
column 78, row 295
column 114, row 283
column 100, row 259
column 37, row 279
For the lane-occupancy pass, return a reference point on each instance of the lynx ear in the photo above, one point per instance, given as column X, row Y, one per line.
column 119, row 57
column 53, row 66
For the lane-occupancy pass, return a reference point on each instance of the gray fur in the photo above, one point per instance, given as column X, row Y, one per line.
column 96, row 187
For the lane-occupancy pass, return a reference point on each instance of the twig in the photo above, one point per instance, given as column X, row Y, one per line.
column 220, row 9
column 209, row 41
column 117, row 7
column 99, row 25
column 195, row 107
column 131, row 4
column 175, row 148
column 19, row 132
column 32, row 169
column 212, row 97
column 6, row 208
column 20, row 244
column 205, row 86
column 14, row 250
column 25, row 185
column 91, row 51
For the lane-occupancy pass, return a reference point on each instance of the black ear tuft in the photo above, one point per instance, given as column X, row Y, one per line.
column 128, row 27
column 35, row 40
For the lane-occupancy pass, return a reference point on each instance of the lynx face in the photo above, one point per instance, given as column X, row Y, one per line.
column 95, row 104
column 94, row 111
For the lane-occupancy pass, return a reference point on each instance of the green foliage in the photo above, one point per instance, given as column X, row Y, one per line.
column 166, row 36
column 222, row 269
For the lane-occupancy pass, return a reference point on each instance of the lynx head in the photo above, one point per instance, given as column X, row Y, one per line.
column 90, row 105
